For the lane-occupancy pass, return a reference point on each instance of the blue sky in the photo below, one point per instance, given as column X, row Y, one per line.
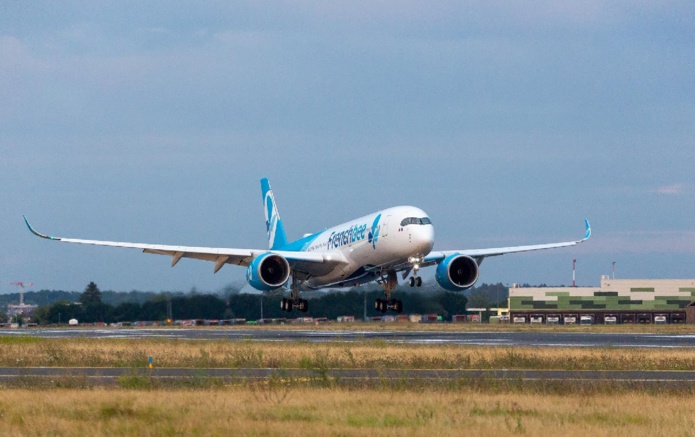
column 507, row 122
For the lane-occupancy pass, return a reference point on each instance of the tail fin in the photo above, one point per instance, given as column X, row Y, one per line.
column 273, row 224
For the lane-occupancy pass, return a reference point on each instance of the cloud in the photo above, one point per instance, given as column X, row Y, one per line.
column 670, row 190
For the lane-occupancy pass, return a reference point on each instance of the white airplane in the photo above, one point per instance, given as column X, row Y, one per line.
column 375, row 247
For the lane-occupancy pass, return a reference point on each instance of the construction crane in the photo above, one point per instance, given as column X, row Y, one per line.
column 21, row 286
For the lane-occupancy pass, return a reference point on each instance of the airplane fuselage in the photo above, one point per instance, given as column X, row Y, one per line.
column 370, row 244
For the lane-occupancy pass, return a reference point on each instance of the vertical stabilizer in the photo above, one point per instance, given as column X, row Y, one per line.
column 276, row 232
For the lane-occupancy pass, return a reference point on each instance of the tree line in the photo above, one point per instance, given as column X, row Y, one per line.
column 91, row 308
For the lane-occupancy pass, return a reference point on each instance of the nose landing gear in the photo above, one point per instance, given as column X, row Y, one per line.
column 415, row 280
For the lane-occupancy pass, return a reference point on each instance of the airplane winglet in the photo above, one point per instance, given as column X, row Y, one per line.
column 588, row 230
column 38, row 234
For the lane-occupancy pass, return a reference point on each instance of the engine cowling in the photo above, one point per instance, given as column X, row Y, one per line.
column 457, row 272
column 268, row 272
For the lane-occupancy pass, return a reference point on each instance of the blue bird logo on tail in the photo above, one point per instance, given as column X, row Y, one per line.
column 270, row 219
column 374, row 232
column 273, row 224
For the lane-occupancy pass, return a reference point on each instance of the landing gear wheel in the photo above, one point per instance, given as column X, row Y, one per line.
column 418, row 281
column 303, row 305
column 381, row 305
column 411, row 281
column 283, row 304
column 398, row 306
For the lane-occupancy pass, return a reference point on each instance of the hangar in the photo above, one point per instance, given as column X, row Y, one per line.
column 615, row 301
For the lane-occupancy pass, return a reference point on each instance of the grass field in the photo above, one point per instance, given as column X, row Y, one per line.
column 368, row 354
column 200, row 406
column 339, row 412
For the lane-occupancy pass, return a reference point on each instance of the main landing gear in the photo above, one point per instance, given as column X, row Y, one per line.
column 289, row 305
column 294, row 302
column 389, row 282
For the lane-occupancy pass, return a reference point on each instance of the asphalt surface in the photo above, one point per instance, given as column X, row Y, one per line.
column 531, row 339
column 110, row 376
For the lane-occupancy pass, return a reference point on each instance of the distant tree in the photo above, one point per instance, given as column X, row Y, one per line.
column 3, row 317
column 91, row 295
column 453, row 303
column 97, row 312
column 197, row 306
column 41, row 315
column 62, row 312
column 127, row 312
column 155, row 310
column 479, row 299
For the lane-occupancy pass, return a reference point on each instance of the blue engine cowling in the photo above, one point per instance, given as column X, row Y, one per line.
column 268, row 272
column 457, row 272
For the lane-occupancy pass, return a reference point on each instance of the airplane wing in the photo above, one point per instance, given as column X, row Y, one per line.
column 220, row 256
column 479, row 254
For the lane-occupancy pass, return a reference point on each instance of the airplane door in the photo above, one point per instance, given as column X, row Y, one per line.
column 385, row 226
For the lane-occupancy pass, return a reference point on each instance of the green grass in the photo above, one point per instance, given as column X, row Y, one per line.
column 18, row 339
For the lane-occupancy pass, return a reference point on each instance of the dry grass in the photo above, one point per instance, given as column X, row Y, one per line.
column 311, row 411
column 34, row 352
column 282, row 407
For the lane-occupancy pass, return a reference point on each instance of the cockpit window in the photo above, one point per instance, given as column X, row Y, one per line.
column 416, row 221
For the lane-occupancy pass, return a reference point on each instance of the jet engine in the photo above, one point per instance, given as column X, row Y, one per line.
column 457, row 272
column 268, row 272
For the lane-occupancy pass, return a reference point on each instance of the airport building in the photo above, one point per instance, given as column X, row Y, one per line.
column 616, row 301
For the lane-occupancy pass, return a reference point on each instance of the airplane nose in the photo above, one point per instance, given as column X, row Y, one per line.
column 425, row 239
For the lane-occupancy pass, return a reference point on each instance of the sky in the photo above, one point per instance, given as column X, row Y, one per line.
column 507, row 122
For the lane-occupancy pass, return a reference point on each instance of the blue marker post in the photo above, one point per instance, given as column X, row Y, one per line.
column 149, row 362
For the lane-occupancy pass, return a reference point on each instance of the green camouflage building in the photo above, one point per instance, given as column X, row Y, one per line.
column 615, row 301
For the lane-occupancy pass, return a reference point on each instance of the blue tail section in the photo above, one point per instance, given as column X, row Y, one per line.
column 276, row 231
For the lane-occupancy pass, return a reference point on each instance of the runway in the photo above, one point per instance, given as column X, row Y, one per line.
column 494, row 338
column 112, row 375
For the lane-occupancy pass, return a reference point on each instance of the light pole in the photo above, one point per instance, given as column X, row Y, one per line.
column 364, row 292
column 574, row 265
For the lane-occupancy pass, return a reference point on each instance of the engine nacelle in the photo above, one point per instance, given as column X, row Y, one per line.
column 268, row 272
column 457, row 272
